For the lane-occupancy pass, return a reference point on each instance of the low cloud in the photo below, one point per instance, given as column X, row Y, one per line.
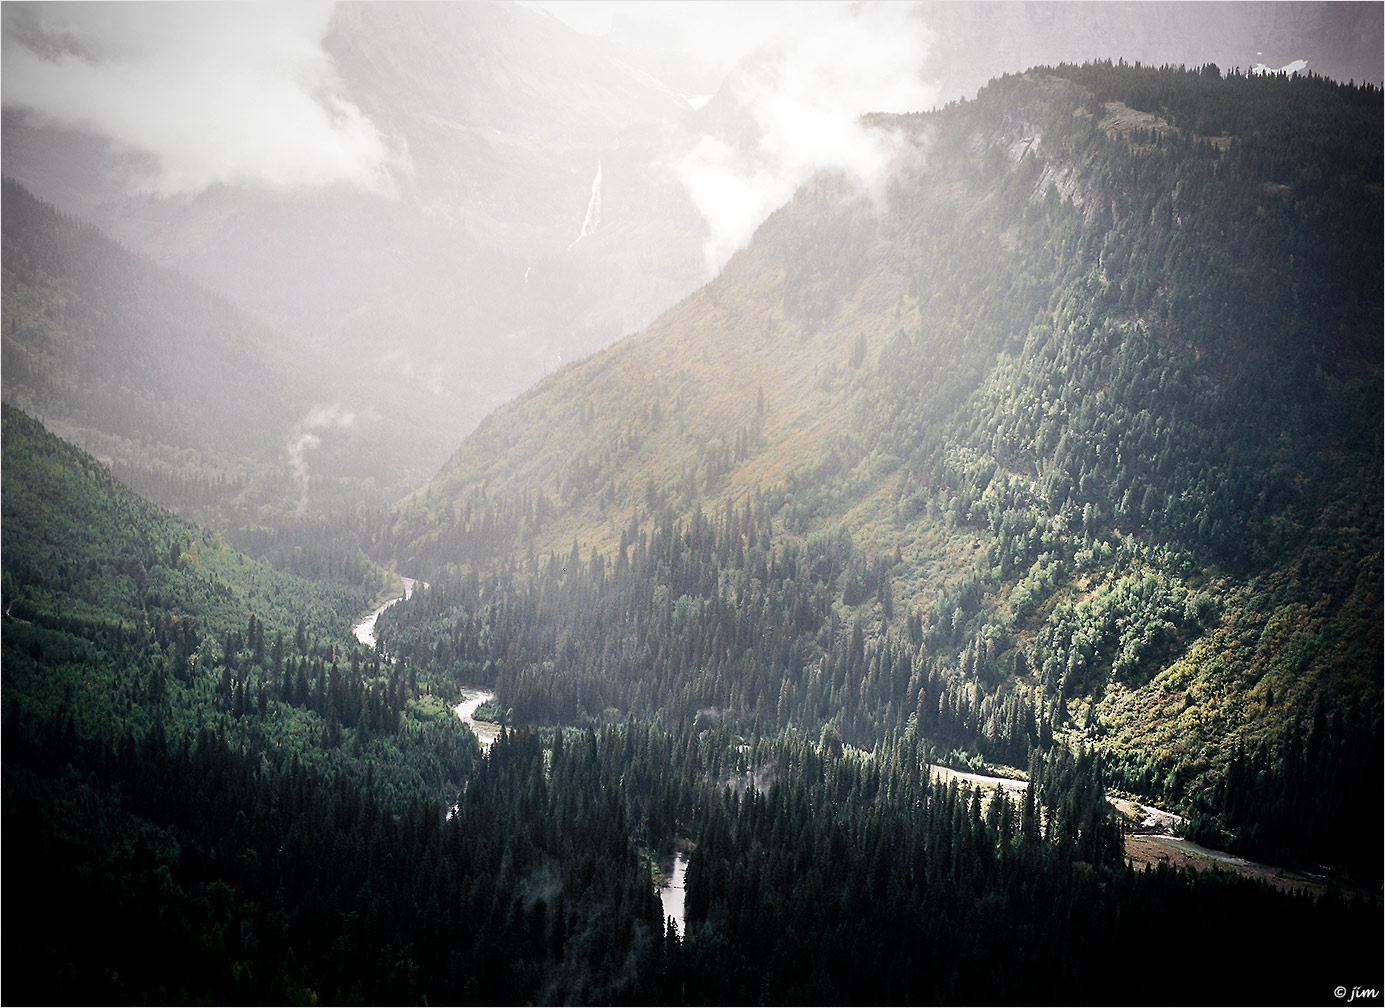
column 203, row 93
column 307, row 436
column 792, row 107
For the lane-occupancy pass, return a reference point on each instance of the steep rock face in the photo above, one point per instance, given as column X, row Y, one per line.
column 493, row 67
column 966, row 250
column 1015, row 403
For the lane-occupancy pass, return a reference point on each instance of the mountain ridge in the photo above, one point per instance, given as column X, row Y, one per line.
column 1014, row 140
column 1018, row 418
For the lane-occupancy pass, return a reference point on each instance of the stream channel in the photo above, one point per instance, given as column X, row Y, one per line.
column 364, row 631
column 671, row 895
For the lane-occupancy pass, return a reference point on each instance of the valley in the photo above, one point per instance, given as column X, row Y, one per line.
column 973, row 584
column 951, row 540
column 1153, row 849
column 486, row 732
column 364, row 629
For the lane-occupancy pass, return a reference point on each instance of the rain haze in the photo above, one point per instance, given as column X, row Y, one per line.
column 434, row 205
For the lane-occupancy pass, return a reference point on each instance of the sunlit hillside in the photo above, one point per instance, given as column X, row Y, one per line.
column 1015, row 405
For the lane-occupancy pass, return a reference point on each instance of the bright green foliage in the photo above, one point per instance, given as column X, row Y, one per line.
column 132, row 605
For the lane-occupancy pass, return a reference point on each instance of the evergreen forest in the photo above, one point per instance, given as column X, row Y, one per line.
column 1057, row 461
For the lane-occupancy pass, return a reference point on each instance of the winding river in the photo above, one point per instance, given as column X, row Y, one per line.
column 1149, row 839
column 486, row 732
column 672, row 895
column 364, row 630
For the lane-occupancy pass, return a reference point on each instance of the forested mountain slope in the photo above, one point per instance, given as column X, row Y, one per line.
column 176, row 387
column 199, row 756
column 190, row 401
column 122, row 614
column 206, row 802
column 1071, row 432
